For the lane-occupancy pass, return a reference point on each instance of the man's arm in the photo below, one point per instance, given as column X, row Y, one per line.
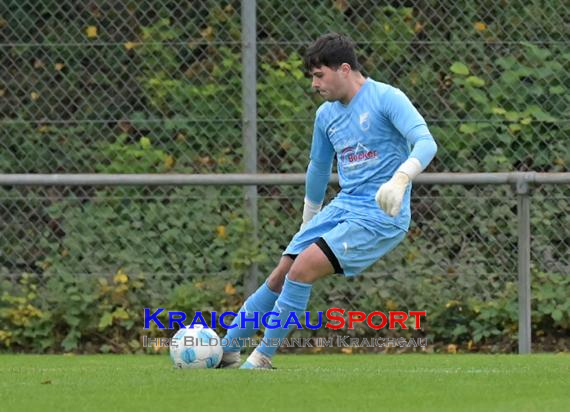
column 412, row 126
column 318, row 171
column 317, row 179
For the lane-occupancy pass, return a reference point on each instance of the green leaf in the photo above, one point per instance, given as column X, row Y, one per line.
column 459, row 330
column 545, row 117
column 475, row 81
column 539, row 114
column 106, row 320
column 298, row 74
column 70, row 341
column 557, row 90
column 72, row 320
column 478, row 95
column 512, row 116
column 504, row 138
column 510, row 78
column 459, row 68
column 544, row 72
column 498, row 110
column 557, row 315
column 507, row 62
column 468, row 128
column 536, row 52
column 120, row 313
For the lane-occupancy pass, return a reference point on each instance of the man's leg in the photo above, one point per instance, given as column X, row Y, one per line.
column 262, row 301
column 310, row 265
column 351, row 246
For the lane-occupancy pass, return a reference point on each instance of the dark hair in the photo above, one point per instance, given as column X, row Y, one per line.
column 331, row 50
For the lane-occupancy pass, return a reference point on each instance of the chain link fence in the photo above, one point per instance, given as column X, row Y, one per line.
column 93, row 86
column 188, row 247
column 155, row 87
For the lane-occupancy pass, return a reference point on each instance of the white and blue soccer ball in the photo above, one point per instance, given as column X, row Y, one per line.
column 196, row 348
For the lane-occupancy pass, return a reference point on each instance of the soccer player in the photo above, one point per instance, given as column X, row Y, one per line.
column 381, row 144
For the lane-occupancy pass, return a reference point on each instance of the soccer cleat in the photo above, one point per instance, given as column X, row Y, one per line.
column 257, row 360
column 230, row 360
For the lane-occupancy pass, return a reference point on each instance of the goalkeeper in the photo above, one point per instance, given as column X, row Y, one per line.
column 381, row 144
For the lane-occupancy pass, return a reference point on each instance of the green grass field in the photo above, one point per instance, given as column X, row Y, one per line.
column 303, row 382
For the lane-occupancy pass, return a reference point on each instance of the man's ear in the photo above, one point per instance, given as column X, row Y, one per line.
column 345, row 69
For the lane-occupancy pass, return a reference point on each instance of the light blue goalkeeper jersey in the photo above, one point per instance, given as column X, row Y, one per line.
column 371, row 137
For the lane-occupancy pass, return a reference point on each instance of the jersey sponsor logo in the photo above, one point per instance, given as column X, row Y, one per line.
column 356, row 156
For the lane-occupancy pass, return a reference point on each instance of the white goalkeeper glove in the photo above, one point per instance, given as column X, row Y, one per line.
column 309, row 211
column 390, row 194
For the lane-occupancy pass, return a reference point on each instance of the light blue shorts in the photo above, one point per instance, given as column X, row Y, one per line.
column 356, row 242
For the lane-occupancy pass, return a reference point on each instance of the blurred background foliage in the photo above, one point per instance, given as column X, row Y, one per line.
column 155, row 87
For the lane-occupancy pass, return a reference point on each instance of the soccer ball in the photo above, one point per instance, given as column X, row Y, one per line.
column 196, row 348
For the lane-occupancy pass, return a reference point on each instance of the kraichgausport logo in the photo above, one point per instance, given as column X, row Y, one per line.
column 333, row 318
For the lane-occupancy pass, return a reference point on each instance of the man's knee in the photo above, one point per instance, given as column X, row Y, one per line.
column 303, row 273
column 310, row 265
column 299, row 274
column 277, row 277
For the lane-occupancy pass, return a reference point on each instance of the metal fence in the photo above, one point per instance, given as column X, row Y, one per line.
column 202, row 87
column 86, row 84
column 170, row 231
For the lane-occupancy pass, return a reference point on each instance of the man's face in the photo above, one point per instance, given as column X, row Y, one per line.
column 328, row 82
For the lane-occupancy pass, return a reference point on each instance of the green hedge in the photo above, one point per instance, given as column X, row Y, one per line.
column 160, row 92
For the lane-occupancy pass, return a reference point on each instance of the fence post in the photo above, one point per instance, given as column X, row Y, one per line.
column 249, row 122
column 523, row 214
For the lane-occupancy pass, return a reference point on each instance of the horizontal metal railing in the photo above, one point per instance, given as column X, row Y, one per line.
column 519, row 180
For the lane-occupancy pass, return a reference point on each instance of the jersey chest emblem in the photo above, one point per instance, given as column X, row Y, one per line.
column 364, row 121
